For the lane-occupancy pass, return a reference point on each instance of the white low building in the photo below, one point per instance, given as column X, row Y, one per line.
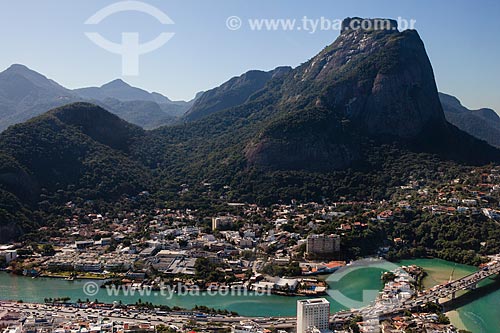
column 9, row 255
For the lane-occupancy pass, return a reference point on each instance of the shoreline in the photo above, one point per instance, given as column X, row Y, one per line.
column 455, row 319
column 64, row 277
column 453, row 315
column 434, row 276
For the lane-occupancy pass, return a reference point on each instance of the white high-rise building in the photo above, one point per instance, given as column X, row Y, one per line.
column 313, row 313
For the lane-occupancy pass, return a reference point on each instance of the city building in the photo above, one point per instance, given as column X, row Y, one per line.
column 322, row 244
column 313, row 314
column 82, row 245
column 221, row 222
column 247, row 327
column 8, row 254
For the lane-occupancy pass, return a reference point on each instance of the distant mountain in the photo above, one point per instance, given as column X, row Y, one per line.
column 147, row 114
column 483, row 124
column 25, row 93
column 122, row 91
column 18, row 75
column 231, row 93
column 148, row 110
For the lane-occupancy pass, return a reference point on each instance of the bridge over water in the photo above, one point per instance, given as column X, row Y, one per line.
column 434, row 294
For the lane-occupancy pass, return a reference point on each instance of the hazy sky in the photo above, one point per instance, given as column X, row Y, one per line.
column 462, row 38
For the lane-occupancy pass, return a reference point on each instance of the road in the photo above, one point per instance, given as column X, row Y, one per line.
column 177, row 319
column 131, row 316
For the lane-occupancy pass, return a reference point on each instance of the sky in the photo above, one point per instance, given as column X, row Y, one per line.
column 462, row 38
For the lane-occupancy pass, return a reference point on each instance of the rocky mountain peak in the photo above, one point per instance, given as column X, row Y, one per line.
column 17, row 74
column 380, row 79
column 18, row 68
column 358, row 24
column 118, row 83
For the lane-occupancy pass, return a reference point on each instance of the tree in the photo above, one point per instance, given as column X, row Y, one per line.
column 164, row 329
column 47, row 250
column 3, row 262
column 442, row 319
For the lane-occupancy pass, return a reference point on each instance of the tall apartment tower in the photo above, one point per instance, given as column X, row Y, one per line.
column 221, row 221
column 322, row 244
column 313, row 313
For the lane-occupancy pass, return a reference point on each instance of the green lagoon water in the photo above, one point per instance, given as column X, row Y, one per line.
column 479, row 316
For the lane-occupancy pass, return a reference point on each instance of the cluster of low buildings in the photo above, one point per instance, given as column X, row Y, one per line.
column 277, row 230
column 418, row 322
column 400, row 289
column 59, row 324
column 469, row 196
column 241, row 241
column 175, row 242
column 70, row 260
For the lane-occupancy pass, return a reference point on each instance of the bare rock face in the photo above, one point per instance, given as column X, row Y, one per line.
column 309, row 141
column 378, row 80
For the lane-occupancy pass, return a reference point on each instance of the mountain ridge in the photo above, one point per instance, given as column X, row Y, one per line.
column 121, row 90
column 335, row 126
column 152, row 113
column 231, row 93
column 25, row 93
column 483, row 123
